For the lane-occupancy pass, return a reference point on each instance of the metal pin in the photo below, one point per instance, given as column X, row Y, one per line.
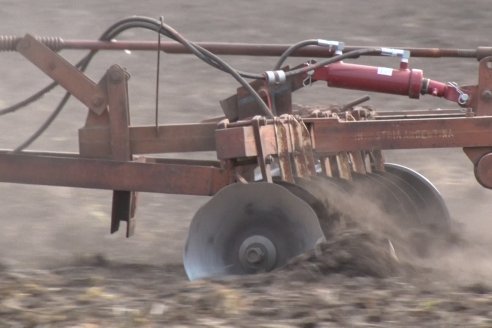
column 161, row 19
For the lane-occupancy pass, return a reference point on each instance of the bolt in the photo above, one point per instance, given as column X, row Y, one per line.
column 97, row 101
column 487, row 95
column 254, row 255
column 116, row 76
column 463, row 99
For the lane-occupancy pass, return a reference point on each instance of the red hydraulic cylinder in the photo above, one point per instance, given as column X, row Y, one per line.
column 404, row 81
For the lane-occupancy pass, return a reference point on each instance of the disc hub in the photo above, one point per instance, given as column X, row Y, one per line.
column 257, row 254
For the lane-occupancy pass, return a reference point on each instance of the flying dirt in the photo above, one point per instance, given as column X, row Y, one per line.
column 308, row 208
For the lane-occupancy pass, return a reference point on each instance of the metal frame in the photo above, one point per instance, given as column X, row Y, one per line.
column 342, row 142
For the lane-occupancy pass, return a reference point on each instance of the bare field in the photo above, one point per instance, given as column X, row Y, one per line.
column 56, row 244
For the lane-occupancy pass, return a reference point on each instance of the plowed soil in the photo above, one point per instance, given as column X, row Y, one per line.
column 60, row 267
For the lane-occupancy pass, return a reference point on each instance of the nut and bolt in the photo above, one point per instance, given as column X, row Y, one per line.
column 116, row 76
column 97, row 101
column 254, row 255
column 487, row 95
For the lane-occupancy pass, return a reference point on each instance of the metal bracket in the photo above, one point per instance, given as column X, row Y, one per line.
column 281, row 138
column 124, row 201
column 301, row 147
column 264, row 160
column 484, row 101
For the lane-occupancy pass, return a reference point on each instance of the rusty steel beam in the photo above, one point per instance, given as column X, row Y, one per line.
column 263, row 49
column 426, row 113
column 95, row 141
column 173, row 138
column 9, row 43
column 73, row 171
column 333, row 136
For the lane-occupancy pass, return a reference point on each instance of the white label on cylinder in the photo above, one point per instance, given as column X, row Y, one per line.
column 385, row 71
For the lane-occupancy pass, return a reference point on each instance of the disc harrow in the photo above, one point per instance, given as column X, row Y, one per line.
column 286, row 176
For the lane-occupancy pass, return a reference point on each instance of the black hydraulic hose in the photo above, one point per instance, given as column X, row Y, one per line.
column 293, row 48
column 110, row 33
column 229, row 69
column 200, row 52
column 45, row 125
column 352, row 54
column 203, row 54
column 28, row 100
column 82, row 65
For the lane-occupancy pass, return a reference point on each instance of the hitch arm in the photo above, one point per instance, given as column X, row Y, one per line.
column 64, row 73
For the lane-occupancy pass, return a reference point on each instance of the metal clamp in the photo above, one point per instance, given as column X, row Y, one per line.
column 404, row 54
column 275, row 77
column 330, row 44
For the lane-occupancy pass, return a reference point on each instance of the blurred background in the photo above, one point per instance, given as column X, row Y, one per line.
column 48, row 225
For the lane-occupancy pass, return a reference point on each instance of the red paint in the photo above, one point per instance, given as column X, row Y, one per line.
column 403, row 81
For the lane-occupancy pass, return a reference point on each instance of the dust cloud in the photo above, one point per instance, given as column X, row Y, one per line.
column 368, row 235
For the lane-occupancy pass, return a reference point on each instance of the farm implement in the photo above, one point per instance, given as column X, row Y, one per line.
column 284, row 173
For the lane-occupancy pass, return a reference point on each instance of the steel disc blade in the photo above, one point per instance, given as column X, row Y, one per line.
column 249, row 228
column 411, row 212
column 413, row 197
column 387, row 196
column 431, row 204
